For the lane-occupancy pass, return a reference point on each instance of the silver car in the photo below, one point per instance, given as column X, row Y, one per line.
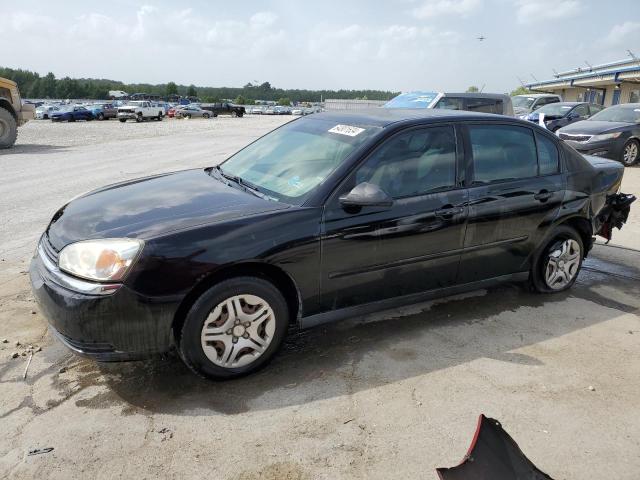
column 192, row 111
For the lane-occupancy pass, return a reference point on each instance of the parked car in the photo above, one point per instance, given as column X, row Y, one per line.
column 523, row 105
column 103, row 111
column 71, row 114
column 325, row 217
column 139, row 111
column 473, row 102
column 172, row 110
column 256, row 111
column 612, row 133
column 561, row 114
column 224, row 109
column 43, row 111
column 191, row 111
column 297, row 111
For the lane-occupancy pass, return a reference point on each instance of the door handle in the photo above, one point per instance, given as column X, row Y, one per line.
column 543, row 195
column 448, row 211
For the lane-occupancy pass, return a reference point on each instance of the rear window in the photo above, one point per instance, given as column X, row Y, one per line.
column 502, row 152
column 484, row 105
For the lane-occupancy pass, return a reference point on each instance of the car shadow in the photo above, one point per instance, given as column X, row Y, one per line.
column 368, row 352
column 26, row 148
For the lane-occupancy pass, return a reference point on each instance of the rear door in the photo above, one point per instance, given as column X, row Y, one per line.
column 515, row 191
column 375, row 253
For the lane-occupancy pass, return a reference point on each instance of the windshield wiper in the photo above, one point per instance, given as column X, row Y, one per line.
column 246, row 185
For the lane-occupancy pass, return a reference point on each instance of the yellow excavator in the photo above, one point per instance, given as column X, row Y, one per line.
column 13, row 113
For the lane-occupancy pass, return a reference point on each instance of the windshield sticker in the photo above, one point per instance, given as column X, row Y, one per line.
column 346, row 130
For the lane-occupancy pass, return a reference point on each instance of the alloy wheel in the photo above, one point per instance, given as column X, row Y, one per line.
column 563, row 263
column 238, row 331
column 630, row 153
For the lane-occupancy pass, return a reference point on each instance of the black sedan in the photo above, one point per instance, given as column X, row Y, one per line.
column 326, row 217
column 613, row 133
column 561, row 114
column 72, row 114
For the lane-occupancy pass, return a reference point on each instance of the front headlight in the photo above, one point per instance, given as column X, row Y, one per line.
column 605, row 136
column 106, row 259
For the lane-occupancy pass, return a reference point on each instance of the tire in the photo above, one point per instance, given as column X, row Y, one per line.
column 557, row 264
column 630, row 153
column 100, row 116
column 222, row 343
column 139, row 118
column 188, row 115
column 45, row 117
column 205, row 115
column 122, row 120
column 215, row 115
column 160, row 117
column 234, row 114
column 8, row 129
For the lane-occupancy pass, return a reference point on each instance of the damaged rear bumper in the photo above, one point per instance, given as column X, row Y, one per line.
column 614, row 214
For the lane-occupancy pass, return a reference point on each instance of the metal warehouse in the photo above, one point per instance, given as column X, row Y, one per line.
column 607, row 84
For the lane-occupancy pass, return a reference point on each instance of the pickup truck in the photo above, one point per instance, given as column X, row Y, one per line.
column 139, row 111
column 224, row 108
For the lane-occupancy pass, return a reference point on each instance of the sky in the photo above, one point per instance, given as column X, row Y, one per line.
column 398, row 45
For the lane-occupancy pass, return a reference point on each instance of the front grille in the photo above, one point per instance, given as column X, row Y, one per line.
column 49, row 250
column 575, row 138
column 125, row 110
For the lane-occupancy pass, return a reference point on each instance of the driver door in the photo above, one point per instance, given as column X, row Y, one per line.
column 373, row 253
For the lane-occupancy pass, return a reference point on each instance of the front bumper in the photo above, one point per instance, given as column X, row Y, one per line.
column 126, row 115
column 107, row 326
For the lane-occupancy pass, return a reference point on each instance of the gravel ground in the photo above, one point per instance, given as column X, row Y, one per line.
column 391, row 395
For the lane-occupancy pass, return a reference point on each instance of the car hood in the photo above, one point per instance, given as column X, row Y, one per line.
column 151, row 206
column 593, row 127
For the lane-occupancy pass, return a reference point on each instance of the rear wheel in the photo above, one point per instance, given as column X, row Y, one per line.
column 8, row 129
column 234, row 328
column 139, row 118
column 556, row 266
column 100, row 116
column 630, row 152
column 234, row 113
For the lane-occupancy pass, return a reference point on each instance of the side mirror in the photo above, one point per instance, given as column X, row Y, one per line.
column 366, row 195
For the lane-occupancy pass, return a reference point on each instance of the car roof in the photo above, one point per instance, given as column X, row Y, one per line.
column 628, row 105
column 537, row 95
column 475, row 95
column 382, row 117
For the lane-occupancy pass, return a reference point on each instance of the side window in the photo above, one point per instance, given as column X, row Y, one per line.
column 485, row 105
column 595, row 109
column 502, row 152
column 413, row 163
column 547, row 156
column 450, row 103
column 582, row 110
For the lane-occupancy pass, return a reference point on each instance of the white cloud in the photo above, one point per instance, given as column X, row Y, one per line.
column 434, row 8
column 624, row 34
column 531, row 11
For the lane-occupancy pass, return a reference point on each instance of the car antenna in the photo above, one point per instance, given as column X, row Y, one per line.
column 589, row 65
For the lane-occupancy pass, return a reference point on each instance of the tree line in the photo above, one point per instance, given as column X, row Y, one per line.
column 32, row 85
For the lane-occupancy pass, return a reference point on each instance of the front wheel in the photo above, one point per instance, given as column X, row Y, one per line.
column 122, row 120
column 234, row 328
column 100, row 116
column 556, row 266
column 205, row 115
column 139, row 118
column 630, row 153
column 234, row 114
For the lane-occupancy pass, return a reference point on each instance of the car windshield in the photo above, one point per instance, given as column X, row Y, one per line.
column 622, row 114
column 290, row 162
column 412, row 100
column 522, row 102
column 555, row 109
